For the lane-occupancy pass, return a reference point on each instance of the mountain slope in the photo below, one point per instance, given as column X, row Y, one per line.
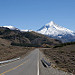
column 16, row 37
column 55, row 31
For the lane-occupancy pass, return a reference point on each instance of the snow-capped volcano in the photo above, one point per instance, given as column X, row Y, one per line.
column 53, row 30
column 11, row 27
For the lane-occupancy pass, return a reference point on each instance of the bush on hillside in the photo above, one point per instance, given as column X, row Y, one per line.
column 64, row 44
column 25, row 45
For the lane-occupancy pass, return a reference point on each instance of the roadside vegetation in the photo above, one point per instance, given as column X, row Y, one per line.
column 10, row 52
column 63, row 56
column 64, row 44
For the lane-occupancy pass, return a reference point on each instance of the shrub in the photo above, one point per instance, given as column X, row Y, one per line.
column 25, row 45
column 64, row 44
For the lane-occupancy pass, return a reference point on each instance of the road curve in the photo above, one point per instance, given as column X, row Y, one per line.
column 27, row 66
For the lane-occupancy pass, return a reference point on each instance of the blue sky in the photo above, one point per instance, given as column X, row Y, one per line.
column 33, row 14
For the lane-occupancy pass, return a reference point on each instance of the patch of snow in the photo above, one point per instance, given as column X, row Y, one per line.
column 11, row 27
column 60, row 36
column 25, row 30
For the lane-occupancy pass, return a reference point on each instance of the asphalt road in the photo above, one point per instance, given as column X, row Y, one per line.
column 26, row 66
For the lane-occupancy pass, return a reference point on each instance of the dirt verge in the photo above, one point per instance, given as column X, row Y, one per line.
column 64, row 57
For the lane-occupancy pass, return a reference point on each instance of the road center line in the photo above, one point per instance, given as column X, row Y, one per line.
column 14, row 68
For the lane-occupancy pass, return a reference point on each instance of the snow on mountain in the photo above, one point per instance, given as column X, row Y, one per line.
column 26, row 30
column 14, row 28
column 11, row 27
column 53, row 30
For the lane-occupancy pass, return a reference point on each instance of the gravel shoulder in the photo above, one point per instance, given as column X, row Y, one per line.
column 50, row 70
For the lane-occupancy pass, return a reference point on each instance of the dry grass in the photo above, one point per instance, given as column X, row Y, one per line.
column 10, row 52
column 64, row 57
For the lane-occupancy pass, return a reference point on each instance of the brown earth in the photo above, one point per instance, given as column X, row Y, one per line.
column 62, row 57
column 10, row 52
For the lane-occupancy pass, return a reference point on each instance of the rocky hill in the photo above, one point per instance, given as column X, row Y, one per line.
column 19, row 38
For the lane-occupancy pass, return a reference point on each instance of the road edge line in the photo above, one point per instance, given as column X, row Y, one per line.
column 38, row 64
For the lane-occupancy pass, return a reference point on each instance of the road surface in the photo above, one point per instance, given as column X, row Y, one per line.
column 27, row 66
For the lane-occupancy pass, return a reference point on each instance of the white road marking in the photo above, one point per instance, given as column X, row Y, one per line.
column 38, row 64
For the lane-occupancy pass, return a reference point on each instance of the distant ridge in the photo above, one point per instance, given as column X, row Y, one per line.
column 26, row 39
column 10, row 27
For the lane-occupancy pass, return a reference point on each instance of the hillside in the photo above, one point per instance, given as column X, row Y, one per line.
column 18, row 38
